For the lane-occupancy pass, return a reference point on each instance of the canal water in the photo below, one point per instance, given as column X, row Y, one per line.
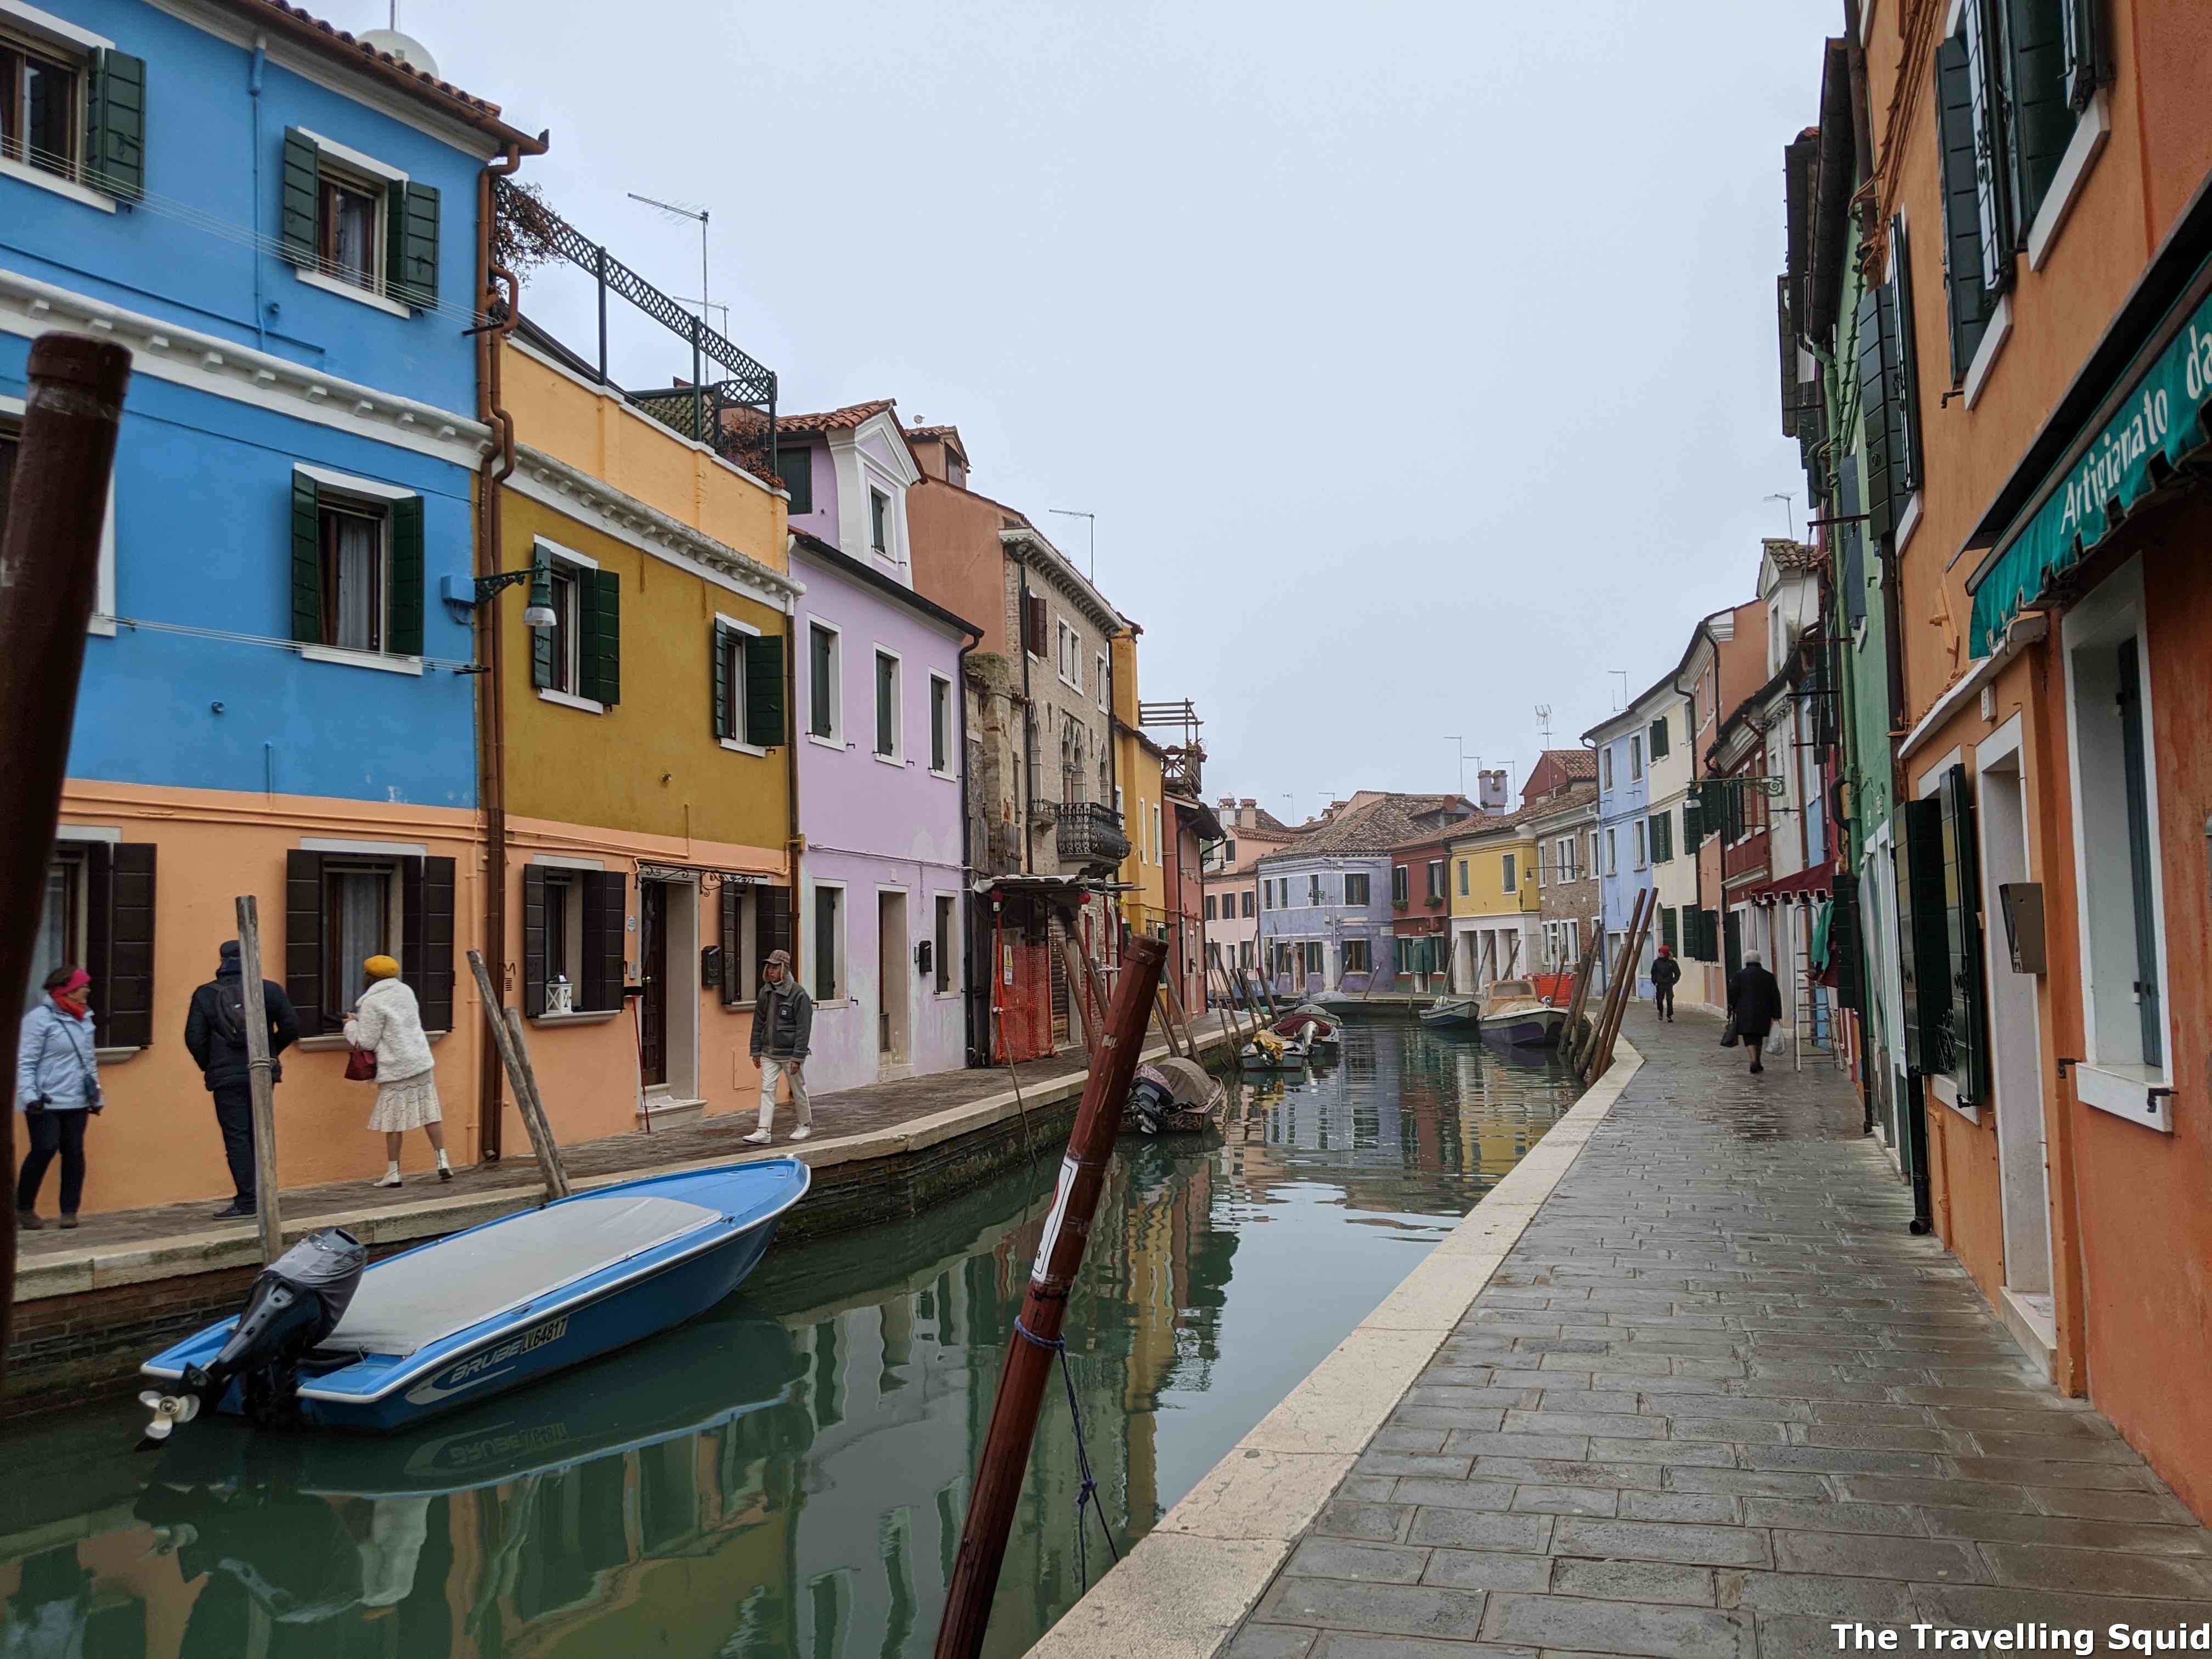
column 787, row 1476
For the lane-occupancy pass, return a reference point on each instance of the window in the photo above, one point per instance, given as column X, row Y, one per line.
column 941, row 725
column 358, row 923
column 1401, row 884
column 1612, row 856
column 354, row 224
column 1159, row 844
column 1356, row 888
column 579, row 659
column 891, row 743
column 879, row 518
column 1888, row 390
column 351, row 223
column 1662, row 837
column 747, row 684
column 353, row 577
column 1635, row 759
column 824, row 716
column 942, row 965
column 567, row 630
column 1436, row 880
column 1509, row 884
column 828, row 943
column 1101, row 670
column 1313, row 957
column 96, row 912
column 1659, row 738
column 356, row 564
column 39, row 94
column 1641, row 849
column 574, row 926
column 794, row 470
column 1313, row 890
column 60, row 941
column 1069, row 660
column 1033, row 623
column 1210, row 907
column 1244, row 953
column 1462, row 877
column 1563, row 853
column 1357, row 958
column 1247, row 904
column 1606, row 761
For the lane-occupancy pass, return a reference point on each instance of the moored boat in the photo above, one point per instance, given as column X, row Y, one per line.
column 1513, row 1015
column 1452, row 1014
column 1173, row 1096
column 327, row 1341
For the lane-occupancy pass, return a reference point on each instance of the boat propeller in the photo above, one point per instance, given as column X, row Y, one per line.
column 169, row 1410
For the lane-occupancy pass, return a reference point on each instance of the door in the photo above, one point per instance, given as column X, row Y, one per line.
column 894, row 980
column 652, row 969
column 2016, row 1046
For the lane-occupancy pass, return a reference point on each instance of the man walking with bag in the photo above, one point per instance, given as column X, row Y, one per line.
column 215, row 1031
column 1755, row 1003
column 783, row 1025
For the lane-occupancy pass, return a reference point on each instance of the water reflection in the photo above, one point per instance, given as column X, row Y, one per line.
column 789, row 1476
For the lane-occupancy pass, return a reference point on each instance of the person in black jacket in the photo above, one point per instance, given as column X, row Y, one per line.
column 1754, row 1003
column 215, row 1031
column 1665, row 972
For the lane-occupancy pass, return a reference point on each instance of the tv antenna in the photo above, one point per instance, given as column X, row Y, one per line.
column 1789, row 511
column 1092, row 520
column 1544, row 722
column 1620, row 674
column 685, row 210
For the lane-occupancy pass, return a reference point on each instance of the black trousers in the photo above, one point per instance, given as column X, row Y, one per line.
column 50, row 1132
column 233, row 1111
column 1662, row 999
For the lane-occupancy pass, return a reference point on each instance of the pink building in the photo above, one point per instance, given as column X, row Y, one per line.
column 1249, row 832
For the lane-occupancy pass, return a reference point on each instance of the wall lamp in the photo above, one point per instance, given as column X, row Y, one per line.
column 467, row 594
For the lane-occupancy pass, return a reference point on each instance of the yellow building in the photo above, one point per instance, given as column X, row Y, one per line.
column 1496, row 912
column 1141, row 797
column 647, row 771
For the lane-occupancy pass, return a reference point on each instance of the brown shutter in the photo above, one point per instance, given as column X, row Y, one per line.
column 426, row 938
column 733, row 939
column 533, row 940
column 303, row 941
column 606, row 915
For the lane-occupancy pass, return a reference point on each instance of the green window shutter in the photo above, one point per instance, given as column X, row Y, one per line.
column 541, row 639
column 2135, row 775
column 302, row 201
column 2087, row 68
column 1924, row 954
column 1968, row 1030
column 303, row 942
column 1660, row 738
column 534, row 971
column 718, row 679
column 1993, row 198
column 1854, row 539
column 764, row 701
column 1970, row 302
column 1903, row 367
column 406, row 636
column 307, row 561
column 605, row 594
column 1669, row 927
column 426, row 950
column 1874, row 326
column 2041, row 119
column 1693, row 825
column 115, row 124
column 417, row 245
column 733, row 944
column 605, row 934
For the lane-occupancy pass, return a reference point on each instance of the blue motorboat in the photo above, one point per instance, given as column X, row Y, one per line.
column 326, row 1340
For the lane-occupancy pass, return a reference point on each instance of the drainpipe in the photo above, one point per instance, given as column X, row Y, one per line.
column 253, row 92
column 794, row 843
column 501, row 296
column 1029, row 718
column 969, row 983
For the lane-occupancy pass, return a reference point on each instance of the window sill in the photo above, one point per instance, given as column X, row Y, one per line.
column 1994, row 335
column 888, row 760
column 103, row 626
column 569, row 700
column 938, row 772
column 115, row 1056
column 2091, row 130
column 737, row 748
column 383, row 661
column 334, row 1043
column 1907, row 522
column 53, row 182
column 2126, row 1092
column 1947, row 1091
column 836, row 744
column 581, row 1017
column 350, row 291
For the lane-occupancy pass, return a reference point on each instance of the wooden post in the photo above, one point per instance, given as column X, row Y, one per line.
column 1581, row 997
column 1605, row 1011
column 49, row 584
column 1175, row 1008
column 1078, row 989
column 1632, row 943
column 260, row 1085
column 508, row 1041
column 1035, row 1339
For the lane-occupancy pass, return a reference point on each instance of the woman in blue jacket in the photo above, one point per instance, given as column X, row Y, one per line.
column 57, row 1090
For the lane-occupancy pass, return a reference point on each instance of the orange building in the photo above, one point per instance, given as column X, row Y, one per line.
column 2037, row 353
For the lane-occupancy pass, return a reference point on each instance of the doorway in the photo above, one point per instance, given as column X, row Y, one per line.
column 653, row 972
column 894, row 987
column 2015, row 1045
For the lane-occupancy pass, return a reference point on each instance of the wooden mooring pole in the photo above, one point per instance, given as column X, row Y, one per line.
column 260, row 1080
column 49, row 583
column 1035, row 1341
column 507, row 1036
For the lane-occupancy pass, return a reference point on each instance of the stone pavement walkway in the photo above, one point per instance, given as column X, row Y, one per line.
column 1716, row 1398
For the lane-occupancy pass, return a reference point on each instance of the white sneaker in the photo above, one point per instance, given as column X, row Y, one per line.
column 387, row 1180
column 759, row 1138
column 801, row 1133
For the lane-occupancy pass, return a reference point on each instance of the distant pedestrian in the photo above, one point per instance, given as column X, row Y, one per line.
column 387, row 1023
column 783, row 1025
column 57, row 1091
column 1755, row 1003
column 1665, row 972
column 215, row 1033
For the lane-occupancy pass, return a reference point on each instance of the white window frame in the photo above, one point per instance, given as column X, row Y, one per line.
column 897, row 754
column 64, row 40
column 839, row 961
column 1612, row 852
column 1104, row 701
column 370, row 494
column 1636, row 757
column 835, row 738
column 952, row 727
column 1067, row 655
column 557, row 554
column 1642, row 846
column 11, row 415
column 1159, row 839
column 1605, row 760
column 371, row 174
column 737, row 745
column 945, row 971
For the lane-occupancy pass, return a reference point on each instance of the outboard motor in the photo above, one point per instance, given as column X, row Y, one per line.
column 296, row 1301
column 1153, row 1095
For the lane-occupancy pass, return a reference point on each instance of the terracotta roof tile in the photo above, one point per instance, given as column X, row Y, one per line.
column 342, row 44
column 1579, row 764
column 1793, row 554
column 832, row 420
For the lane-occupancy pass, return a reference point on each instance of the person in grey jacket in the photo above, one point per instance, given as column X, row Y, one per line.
column 57, row 1091
column 783, row 1025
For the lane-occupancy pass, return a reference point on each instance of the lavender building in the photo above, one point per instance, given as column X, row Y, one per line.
column 1326, row 923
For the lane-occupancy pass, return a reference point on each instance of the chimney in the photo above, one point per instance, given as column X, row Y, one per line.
column 1490, row 791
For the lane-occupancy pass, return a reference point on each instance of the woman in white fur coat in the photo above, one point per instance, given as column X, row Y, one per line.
column 387, row 1023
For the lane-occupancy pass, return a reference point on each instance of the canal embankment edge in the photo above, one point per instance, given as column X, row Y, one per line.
column 1183, row 1591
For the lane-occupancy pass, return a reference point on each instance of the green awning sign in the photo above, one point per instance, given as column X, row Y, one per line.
column 2163, row 416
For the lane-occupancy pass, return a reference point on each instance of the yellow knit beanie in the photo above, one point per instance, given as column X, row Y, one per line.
column 381, row 968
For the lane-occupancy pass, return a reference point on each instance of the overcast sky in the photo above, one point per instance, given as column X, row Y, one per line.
column 1418, row 360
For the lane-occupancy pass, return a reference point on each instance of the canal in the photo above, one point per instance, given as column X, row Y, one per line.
column 787, row 1476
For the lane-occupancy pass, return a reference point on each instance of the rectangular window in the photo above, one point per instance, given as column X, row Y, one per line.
column 729, row 682
column 941, row 725
column 822, row 682
column 1313, row 957
column 1635, row 759
column 1401, row 884
column 1659, row 738
column 1244, row 953
column 889, row 735
column 351, row 218
column 942, row 966
column 1356, row 890
column 61, row 936
column 1462, row 877
column 1436, row 879
column 1662, row 837
column 1612, row 856
column 1357, row 959
column 359, row 901
column 1510, row 884
column 1159, row 840
column 354, row 578
column 879, row 522
column 794, row 470
column 39, row 95
column 565, row 630
column 1641, row 847
column 828, row 944
column 1604, row 759
column 564, row 896
column 1102, row 672
column 1313, row 890
column 1211, row 906
column 1247, row 902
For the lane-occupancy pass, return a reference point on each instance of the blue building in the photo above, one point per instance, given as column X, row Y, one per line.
column 1626, row 745
column 280, row 223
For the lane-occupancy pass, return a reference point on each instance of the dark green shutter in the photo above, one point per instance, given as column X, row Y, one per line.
column 413, row 277
column 533, row 940
column 1970, row 302
column 307, row 561
column 606, row 903
column 303, row 941
column 603, row 593
column 1659, row 738
column 2086, row 66
column 115, row 125
column 1993, row 200
column 121, row 921
column 406, row 637
column 301, row 206
column 733, row 944
column 2134, row 769
column 772, row 927
column 2041, row 119
column 1847, row 951
column 1924, row 951
column 1694, row 826
column 1874, row 327
column 1903, row 367
column 426, row 938
column 718, row 679
column 541, row 639
column 764, row 701
column 1969, row 1026
column 1669, row 927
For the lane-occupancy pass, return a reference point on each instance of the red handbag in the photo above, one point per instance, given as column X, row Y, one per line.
column 360, row 1065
